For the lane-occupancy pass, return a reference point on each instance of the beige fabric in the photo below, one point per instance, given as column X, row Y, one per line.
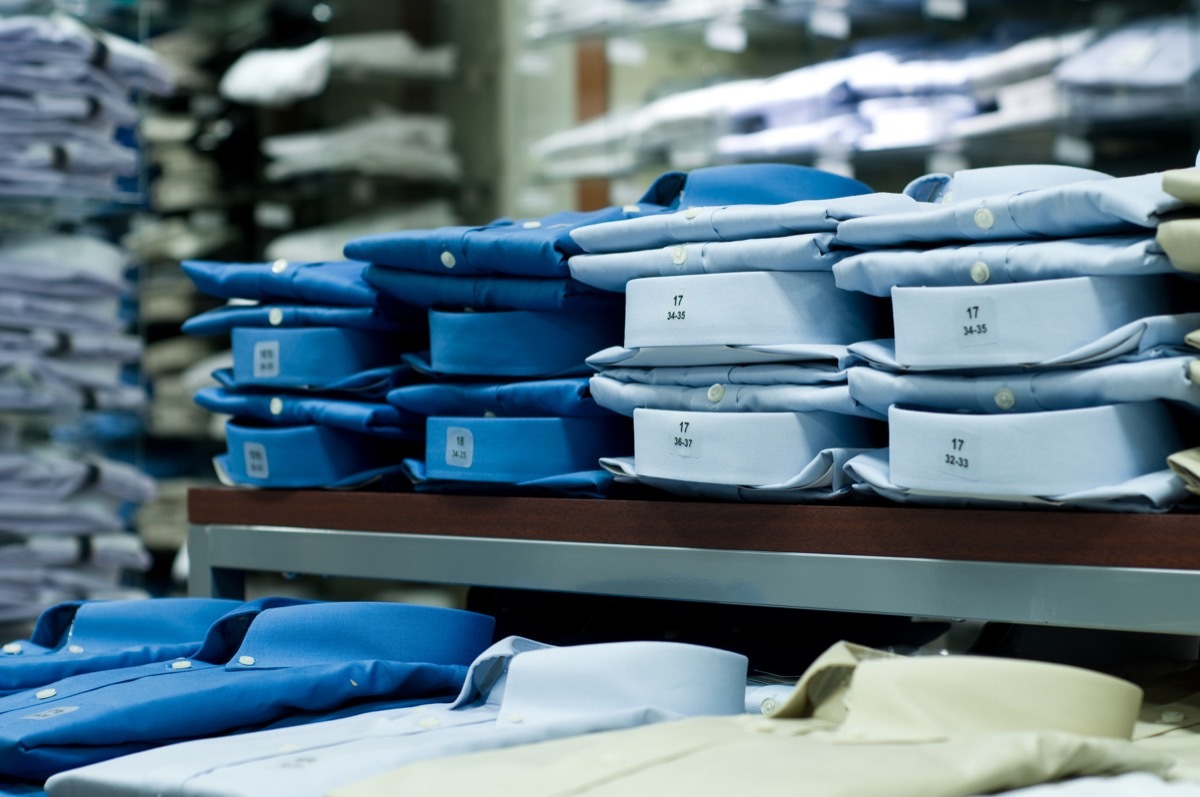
column 1169, row 721
column 1183, row 184
column 1180, row 239
column 969, row 726
column 1186, row 465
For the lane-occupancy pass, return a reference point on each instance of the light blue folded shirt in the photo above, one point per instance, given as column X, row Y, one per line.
column 878, row 271
column 625, row 397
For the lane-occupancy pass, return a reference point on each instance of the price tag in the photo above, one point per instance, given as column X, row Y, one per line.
column 266, row 359
column 960, row 456
column 946, row 9
column 460, row 447
column 255, row 456
column 975, row 322
column 685, row 440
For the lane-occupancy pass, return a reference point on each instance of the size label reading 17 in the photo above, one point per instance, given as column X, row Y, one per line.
column 685, row 439
column 960, row 456
column 974, row 323
column 460, row 447
column 675, row 310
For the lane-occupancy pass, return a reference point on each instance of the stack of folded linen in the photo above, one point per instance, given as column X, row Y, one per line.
column 733, row 364
column 511, row 330
column 1039, row 350
column 315, row 350
column 67, row 92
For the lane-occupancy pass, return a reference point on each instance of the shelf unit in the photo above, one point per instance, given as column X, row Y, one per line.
column 1070, row 569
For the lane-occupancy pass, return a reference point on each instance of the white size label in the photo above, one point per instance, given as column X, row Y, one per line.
column 960, row 456
column 676, row 310
column 685, row 440
column 51, row 713
column 255, row 457
column 460, row 447
column 266, row 359
column 975, row 323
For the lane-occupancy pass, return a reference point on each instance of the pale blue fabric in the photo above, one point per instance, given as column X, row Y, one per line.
column 1029, row 391
column 516, row 692
column 624, row 397
column 877, row 272
column 610, row 272
column 1090, row 207
column 569, row 398
column 736, row 222
column 223, row 320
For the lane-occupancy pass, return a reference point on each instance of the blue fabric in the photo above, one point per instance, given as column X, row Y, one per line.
column 253, row 669
column 547, row 397
column 336, row 283
column 520, row 344
column 223, row 320
column 369, row 385
column 307, row 357
column 290, row 409
column 304, row 456
column 540, row 247
column 85, row 636
column 581, row 484
column 485, row 292
column 514, row 450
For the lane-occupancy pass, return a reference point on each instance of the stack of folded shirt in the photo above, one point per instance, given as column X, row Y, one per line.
column 66, row 92
column 315, row 350
column 510, row 332
column 735, row 343
column 62, row 351
column 1038, row 354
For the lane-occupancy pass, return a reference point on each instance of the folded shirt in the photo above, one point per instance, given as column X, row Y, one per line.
column 255, row 666
column 223, row 320
column 63, row 266
column 515, row 450
column 592, row 483
column 1022, row 323
column 541, row 247
column 878, row 271
column 77, row 637
column 307, row 357
column 372, row 384
column 749, row 449
column 338, row 283
column 521, row 344
column 1106, row 206
column 261, row 455
column 419, row 289
column 735, row 222
column 289, row 409
column 1168, row 378
column 625, row 397
column 516, row 692
column 50, row 474
column 612, row 271
column 569, row 398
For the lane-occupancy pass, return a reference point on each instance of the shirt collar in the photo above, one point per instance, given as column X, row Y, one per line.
column 559, row 683
column 996, row 180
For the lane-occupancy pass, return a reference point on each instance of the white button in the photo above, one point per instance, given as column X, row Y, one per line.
column 514, row 717
column 279, row 266
column 275, row 316
column 691, row 213
column 980, row 272
column 429, row 722
column 276, row 405
column 529, row 225
column 353, row 682
column 768, row 705
column 631, row 209
column 1005, row 398
column 1173, row 716
column 75, row 648
column 679, row 254
column 716, row 393
column 12, row 648
column 181, row 665
column 984, row 219
column 45, row 693
column 246, row 660
column 448, row 260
